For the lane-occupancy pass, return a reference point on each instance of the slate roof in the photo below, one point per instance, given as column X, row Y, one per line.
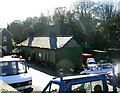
column 2, row 29
column 44, row 42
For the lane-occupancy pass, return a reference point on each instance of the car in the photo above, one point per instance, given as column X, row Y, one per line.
column 102, row 68
column 106, row 66
column 14, row 71
column 116, row 70
column 93, row 83
column 116, row 73
column 91, row 63
column 108, row 69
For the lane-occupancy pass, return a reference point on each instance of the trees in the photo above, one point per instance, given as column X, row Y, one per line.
column 94, row 23
column 18, row 31
column 83, row 12
column 108, row 27
column 114, row 31
column 61, row 21
column 37, row 26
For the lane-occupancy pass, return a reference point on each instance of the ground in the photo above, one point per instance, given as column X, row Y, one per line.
column 41, row 76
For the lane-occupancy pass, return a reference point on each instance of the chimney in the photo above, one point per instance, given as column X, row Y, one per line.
column 30, row 41
column 53, row 41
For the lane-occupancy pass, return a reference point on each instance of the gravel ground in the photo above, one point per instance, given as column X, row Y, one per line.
column 42, row 69
column 40, row 77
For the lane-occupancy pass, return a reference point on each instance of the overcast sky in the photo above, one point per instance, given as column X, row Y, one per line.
column 11, row 10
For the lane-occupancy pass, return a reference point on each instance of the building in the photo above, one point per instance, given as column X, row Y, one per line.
column 6, row 42
column 55, row 52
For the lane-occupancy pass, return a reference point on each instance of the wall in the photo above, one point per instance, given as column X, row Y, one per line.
column 8, row 43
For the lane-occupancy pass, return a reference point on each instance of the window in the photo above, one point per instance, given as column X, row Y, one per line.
column 12, row 67
column 39, row 54
column 82, row 88
column 88, row 87
column 4, row 38
column 4, row 48
column 52, row 88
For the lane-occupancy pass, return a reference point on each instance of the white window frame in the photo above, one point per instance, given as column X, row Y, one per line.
column 4, row 38
column 5, row 48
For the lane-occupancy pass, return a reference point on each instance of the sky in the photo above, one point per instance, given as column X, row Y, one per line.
column 11, row 10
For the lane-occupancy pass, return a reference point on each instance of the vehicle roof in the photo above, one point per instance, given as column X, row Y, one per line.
column 80, row 77
column 10, row 58
column 90, row 59
column 85, row 54
column 97, row 71
column 106, row 64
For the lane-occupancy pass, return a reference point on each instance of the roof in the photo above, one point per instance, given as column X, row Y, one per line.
column 44, row 42
column 3, row 29
column 99, row 51
column 85, row 54
column 10, row 58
